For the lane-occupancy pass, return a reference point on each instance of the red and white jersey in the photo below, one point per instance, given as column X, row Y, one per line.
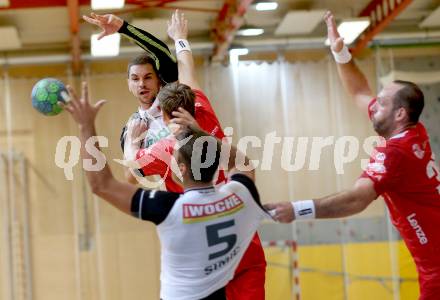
column 156, row 159
column 405, row 174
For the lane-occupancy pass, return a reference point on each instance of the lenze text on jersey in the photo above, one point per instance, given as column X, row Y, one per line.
column 416, row 226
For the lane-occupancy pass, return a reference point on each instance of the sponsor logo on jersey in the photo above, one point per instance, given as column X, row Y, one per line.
column 418, row 229
column 202, row 212
column 380, row 156
column 376, row 167
column 418, row 152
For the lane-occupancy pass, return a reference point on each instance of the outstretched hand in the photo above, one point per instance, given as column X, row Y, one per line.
column 108, row 23
column 178, row 26
column 81, row 110
column 281, row 212
column 336, row 41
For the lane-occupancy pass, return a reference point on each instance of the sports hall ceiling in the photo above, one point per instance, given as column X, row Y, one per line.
column 46, row 26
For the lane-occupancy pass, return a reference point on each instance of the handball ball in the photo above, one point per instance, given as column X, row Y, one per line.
column 45, row 96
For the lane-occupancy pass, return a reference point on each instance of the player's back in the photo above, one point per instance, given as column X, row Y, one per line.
column 204, row 237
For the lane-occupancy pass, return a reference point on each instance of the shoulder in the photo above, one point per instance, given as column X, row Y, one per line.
column 199, row 94
column 240, row 183
column 153, row 205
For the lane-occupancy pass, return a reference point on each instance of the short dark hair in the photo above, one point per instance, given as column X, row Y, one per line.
column 144, row 59
column 175, row 95
column 195, row 151
column 410, row 97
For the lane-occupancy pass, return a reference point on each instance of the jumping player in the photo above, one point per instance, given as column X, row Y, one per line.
column 249, row 279
column 402, row 170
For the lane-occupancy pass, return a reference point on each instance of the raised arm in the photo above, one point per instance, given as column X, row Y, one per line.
column 178, row 31
column 159, row 51
column 101, row 181
column 353, row 80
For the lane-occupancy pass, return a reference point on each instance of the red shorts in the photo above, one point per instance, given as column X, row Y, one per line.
column 249, row 278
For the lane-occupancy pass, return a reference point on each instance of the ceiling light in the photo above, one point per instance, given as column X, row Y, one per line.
column 235, row 53
column 107, row 46
column 350, row 30
column 263, row 6
column 250, row 31
column 107, row 4
column 433, row 20
column 10, row 38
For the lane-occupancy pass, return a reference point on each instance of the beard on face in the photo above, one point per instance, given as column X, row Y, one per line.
column 383, row 127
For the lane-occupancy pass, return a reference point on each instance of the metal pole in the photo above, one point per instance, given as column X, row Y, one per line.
column 296, row 289
column 75, row 217
column 343, row 223
column 6, row 244
column 96, row 210
column 11, row 188
column 26, row 228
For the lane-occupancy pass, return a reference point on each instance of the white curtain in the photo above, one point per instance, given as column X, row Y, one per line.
column 295, row 103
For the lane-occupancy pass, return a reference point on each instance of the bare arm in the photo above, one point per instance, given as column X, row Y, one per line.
column 339, row 205
column 178, row 29
column 348, row 202
column 102, row 182
column 353, row 80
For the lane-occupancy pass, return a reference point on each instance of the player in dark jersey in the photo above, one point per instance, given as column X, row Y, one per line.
column 402, row 170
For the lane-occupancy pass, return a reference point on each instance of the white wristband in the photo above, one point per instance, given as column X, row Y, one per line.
column 343, row 56
column 304, row 209
column 182, row 45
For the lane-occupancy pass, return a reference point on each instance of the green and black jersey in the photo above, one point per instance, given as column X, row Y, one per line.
column 166, row 63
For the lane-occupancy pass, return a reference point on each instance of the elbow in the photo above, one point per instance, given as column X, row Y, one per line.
column 98, row 187
column 360, row 202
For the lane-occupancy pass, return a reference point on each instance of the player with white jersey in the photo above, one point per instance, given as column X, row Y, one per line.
column 146, row 73
column 205, row 231
column 402, row 169
column 155, row 152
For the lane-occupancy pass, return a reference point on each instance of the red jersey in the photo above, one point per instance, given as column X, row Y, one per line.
column 156, row 159
column 405, row 174
column 248, row 282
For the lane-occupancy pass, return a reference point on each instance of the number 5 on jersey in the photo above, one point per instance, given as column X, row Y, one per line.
column 214, row 237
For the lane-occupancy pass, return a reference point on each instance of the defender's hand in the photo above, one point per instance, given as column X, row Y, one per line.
column 184, row 118
column 108, row 23
column 281, row 212
column 336, row 41
column 177, row 26
column 81, row 110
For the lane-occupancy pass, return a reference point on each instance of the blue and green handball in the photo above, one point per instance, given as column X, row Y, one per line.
column 45, row 96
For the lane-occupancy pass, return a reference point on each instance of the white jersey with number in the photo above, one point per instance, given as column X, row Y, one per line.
column 204, row 237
